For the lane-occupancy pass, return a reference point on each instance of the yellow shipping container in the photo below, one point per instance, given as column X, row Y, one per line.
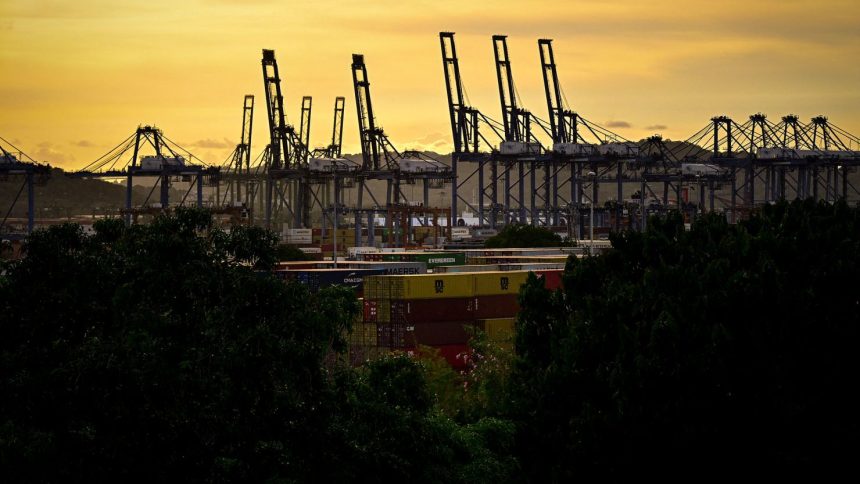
column 363, row 334
column 428, row 286
column 498, row 283
column 373, row 287
column 383, row 310
column 498, row 330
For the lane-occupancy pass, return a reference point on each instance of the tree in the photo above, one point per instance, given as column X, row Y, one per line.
column 696, row 353
column 166, row 352
column 156, row 352
column 521, row 235
column 286, row 252
column 385, row 429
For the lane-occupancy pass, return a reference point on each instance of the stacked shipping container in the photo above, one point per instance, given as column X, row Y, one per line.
column 437, row 310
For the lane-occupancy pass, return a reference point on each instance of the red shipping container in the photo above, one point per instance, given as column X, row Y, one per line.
column 370, row 311
column 456, row 355
column 394, row 336
column 551, row 278
column 437, row 334
column 500, row 306
column 432, row 310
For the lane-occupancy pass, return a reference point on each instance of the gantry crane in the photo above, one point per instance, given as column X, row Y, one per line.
column 288, row 153
column 470, row 141
column 521, row 147
column 168, row 163
column 33, row 173
column 381, row 160
column 578, row 144
column 237, row 172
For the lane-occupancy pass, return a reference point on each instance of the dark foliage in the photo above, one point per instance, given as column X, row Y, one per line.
column 697, row 354
column 161, row 353
column 519, row 235
column 287, row 252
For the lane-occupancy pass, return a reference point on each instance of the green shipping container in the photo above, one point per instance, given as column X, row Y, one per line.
column 432, row 259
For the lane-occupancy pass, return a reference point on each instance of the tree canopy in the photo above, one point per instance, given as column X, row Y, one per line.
column 166, row 351
column 158, row 352
column 523, row 235
column 696, row 353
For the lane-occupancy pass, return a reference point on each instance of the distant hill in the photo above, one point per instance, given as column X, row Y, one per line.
column 62, row 196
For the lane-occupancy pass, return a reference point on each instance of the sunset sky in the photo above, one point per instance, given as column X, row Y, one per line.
column 79, row 76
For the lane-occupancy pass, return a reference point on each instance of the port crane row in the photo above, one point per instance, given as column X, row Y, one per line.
column 527, row 169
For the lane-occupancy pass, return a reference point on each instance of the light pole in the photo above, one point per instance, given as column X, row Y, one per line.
column 591, row 176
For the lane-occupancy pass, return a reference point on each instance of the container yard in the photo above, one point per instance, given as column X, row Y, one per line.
column 434, row 298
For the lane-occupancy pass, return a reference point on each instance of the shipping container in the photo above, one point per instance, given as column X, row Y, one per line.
column 432, row 259
column 458, row 356
column 552, row 278
column 361, row 354
column 518, row 251
column 517, row 259
column 495, row 283
column 537, row 266
column 422, row 286
column 383, row 310
column 394, row 336
column 464, row 268
column 363, row 334
column 293, row 265
column 389, row 268
column 501, row 306
column 438, row 334
column 370, row 308
column 497, row 329
column 432, row 310
column 317, row 279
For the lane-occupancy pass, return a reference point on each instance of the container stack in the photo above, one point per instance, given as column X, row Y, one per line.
column 439, row 310
column 317, row 279
column 431, row 259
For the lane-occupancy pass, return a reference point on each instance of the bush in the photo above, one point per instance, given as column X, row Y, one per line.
column 518, row 235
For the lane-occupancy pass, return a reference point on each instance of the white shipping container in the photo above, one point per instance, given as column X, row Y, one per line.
column 575, row 149
column 627, row 148
column 331, row 164
column 700, row 169
column 361, row 250
column 156, row 162
column 417, row 165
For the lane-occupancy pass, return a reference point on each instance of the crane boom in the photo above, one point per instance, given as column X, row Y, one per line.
column 373, row 140
column 454, row 89
column 305, row 125
column 337, row 128
column 279, row 147
column 507, row 93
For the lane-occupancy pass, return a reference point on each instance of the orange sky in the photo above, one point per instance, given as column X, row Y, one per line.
column 79, row 76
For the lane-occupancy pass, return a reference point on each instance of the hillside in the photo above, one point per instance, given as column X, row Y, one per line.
column 62, row 196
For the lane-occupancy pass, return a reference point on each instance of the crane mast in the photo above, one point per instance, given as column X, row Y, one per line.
column 458, row 111
column 279, row 147
column 515, row 119
column 334, row 150
column 242, row 155
column 305, row 126
column 373, row 142
column 562, row 120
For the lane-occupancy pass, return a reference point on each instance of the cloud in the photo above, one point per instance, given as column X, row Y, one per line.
column 46, row 152
column 83, row 143
column 617, row 124
column 657, row 127
column 433, row 138
column 208, row 143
